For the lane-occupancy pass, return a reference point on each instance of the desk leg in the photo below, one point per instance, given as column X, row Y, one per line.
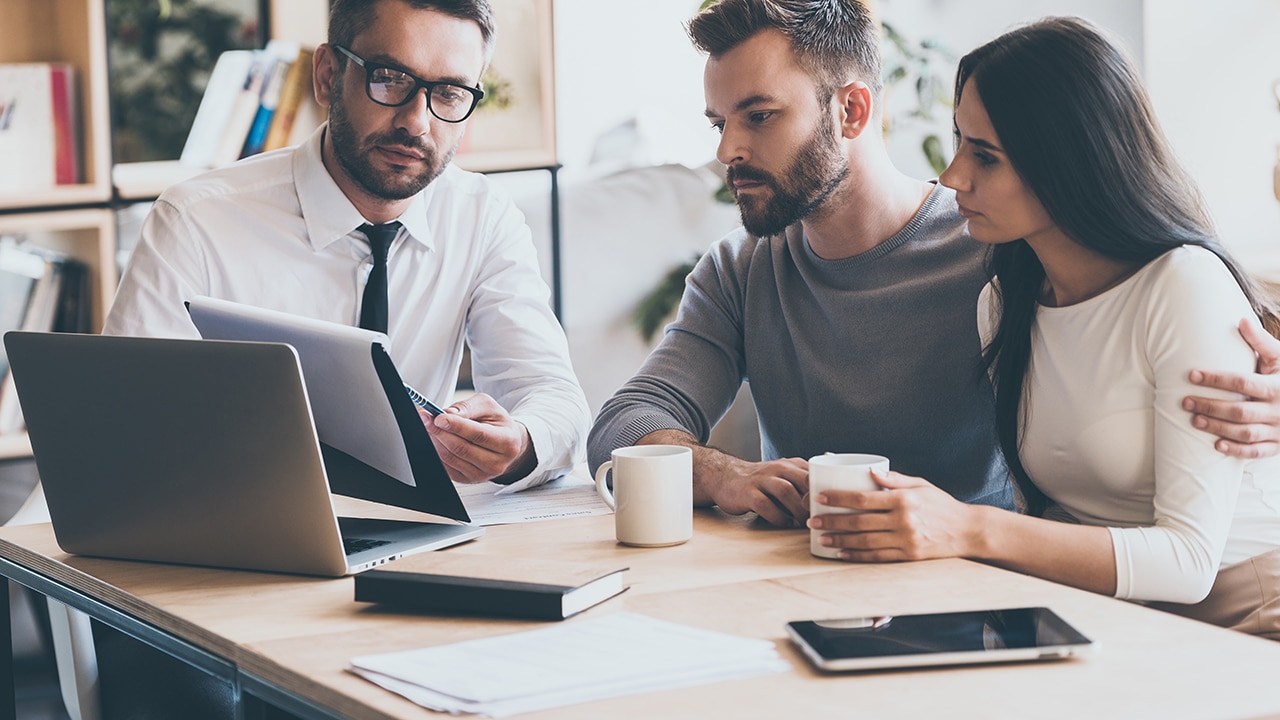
column 8, row 695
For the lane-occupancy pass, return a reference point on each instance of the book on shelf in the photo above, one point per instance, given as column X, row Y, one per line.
column 72, row 312
column 224, row 86
column 294, row 93
column 66, row 127
column 472, row 585
column 42, row 291
column 241, row 106
column 267, row 103
column 244, row 107
column 19, row 272
column 39, row 132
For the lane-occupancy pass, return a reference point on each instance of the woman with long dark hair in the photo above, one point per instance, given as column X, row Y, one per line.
column 1109, row 288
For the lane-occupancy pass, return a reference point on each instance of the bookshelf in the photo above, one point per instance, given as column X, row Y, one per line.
column 86, row 234
column 79, row 220
column 69, row 31
column 72, row 219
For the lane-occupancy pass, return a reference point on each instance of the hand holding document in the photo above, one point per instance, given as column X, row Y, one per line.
column 619, row 654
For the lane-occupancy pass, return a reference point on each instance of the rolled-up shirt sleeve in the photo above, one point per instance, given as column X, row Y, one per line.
column 519, row 352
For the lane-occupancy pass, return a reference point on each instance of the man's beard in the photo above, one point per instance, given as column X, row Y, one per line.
column 353, row 155
column 816, row 172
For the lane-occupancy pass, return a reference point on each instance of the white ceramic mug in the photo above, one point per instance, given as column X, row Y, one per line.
column 839, row 471
column 652, row 496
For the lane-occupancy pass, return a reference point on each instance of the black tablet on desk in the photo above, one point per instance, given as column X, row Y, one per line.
column 953, row 638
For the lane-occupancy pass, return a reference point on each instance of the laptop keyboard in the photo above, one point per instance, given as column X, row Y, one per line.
column 351, row 546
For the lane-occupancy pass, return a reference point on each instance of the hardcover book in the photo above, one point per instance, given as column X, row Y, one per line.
column 39, row 140
column 44, row 270
column 474, row 585
column 293, row 94
column 216, row 106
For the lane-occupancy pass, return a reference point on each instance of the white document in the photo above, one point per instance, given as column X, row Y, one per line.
column 563, row 497
column 618, row 654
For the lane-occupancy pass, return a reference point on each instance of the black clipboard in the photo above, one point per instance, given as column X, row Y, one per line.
column 374, row 444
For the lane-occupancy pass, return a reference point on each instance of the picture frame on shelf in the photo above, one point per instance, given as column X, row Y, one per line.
column 515, row 126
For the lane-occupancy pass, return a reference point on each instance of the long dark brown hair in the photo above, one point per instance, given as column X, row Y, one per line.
column 1077, row 126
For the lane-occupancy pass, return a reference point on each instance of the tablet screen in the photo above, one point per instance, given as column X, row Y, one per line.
column 939, row 638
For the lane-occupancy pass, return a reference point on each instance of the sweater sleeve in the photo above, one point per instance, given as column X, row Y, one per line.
column 1190, row 322
column 689, row 381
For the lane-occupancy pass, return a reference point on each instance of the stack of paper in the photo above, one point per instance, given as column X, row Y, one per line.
column 596, row 658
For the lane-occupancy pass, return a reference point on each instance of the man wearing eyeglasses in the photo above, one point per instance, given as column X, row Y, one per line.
column 368, row 223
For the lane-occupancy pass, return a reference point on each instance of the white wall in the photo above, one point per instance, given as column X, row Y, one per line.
column 1210, row 70
column 962, row 26
column 618, row 60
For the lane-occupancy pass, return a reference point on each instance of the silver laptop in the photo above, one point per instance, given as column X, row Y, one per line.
column 192, row 451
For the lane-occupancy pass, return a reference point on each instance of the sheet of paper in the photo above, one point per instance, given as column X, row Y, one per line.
column 564, row 497
column 616, row 654
column 515, row 706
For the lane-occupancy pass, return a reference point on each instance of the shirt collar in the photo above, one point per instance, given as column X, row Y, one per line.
column 329, row 214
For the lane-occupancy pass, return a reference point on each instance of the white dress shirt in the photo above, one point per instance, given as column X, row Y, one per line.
column 275, row 231
column 1106, row 438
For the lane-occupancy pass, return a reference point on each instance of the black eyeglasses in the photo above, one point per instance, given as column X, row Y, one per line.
column 391, row 87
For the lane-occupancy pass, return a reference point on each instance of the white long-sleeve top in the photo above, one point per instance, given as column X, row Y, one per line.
column 1106, row 438
column 275, row 231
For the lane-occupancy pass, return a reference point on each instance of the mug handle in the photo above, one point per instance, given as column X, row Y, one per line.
column 602, row 488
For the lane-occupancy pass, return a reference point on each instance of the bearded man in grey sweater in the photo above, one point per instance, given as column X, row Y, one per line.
column 848, row 300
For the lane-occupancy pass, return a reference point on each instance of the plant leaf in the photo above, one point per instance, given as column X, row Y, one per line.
column 654, row 308
column 932, row 147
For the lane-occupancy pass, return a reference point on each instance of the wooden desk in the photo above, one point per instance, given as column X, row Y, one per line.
column 286, row 640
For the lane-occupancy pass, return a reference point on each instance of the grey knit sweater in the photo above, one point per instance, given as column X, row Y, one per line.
column 876, row 353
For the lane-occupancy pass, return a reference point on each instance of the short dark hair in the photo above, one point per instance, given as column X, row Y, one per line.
column 349, row 18
column 831, row 38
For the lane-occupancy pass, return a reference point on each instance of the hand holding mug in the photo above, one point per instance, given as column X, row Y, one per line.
column 839, row 471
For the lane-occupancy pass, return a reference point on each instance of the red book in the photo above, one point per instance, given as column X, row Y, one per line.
column 66, row 150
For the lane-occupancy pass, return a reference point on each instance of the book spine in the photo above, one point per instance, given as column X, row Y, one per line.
column 73, row 298
column 66, row 148
column 39, row 317
column 257, row 132
column 214, row 114
column 243, row 110
column 297, row 84
column 270, row 100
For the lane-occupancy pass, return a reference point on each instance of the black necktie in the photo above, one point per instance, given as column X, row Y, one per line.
column 373, row 307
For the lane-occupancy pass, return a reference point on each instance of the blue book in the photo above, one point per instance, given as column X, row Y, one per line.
column 270, row 100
